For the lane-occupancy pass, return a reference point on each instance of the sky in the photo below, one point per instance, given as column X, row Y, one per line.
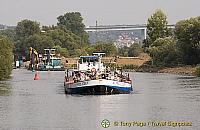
column 105, row 12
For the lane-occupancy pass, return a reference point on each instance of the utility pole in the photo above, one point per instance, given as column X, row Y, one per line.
column 96, row 39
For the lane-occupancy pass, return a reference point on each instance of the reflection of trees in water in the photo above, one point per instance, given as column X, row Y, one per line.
column 5, row 88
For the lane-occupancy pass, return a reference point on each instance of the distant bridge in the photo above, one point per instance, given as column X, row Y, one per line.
column 121, row 28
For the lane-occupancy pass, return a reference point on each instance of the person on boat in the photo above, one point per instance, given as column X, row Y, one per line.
column 74, row 79
column 66, row 76
column 107, row 69
column 103, row 76
column 79, row 76
column 76, row 76
column 87, row 77
column 112, row 77
column 93, row 74
column 98, row 74
column 82, row 76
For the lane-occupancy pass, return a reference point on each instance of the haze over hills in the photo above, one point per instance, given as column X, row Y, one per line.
column 122, row 36
column 2, row 27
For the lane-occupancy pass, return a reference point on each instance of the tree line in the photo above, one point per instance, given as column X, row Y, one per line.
column 173, row 46
column 166, row 46
column 5, row 57
column 68, row 37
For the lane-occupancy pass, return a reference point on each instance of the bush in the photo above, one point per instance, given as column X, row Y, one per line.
column 164, row 52
column 6, row 58
column 134, row 50
column 114, row 66
column 130, row 67
column 197, row 71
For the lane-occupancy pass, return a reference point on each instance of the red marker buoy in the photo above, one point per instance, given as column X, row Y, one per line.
column 36, row 77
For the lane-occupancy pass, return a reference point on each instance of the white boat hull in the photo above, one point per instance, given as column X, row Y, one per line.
column 100, row 86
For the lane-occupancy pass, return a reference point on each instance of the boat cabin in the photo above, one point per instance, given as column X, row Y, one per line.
column 87, row 63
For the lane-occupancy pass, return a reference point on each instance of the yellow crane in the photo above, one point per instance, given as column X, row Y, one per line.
column 34, row 59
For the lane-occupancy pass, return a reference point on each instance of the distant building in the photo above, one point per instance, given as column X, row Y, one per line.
column 119, row 37
column 124, row 40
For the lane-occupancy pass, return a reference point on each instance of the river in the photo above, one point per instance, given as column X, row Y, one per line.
column 26, row 104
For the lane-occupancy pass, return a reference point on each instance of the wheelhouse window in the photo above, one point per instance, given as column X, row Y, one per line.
column 88, row 59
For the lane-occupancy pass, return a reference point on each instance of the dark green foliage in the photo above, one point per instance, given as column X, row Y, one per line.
column 133, row 51
column 123, row 51
column 73, row 22
column 29, row 34
column 156, row 27
column 129, row 67
column 188, row 40
column 65, row 39
column 62, row 51
column 24, row 30
column 68, row 37
column 9, row 33
column 164, row 52
column 39, row 42
column 197, row 71
column 108, row 48
column 6, row 58
column 181, row 48
column 114, row 66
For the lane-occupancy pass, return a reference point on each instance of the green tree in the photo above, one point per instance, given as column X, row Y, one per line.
column 156, row 27
column 108, row 48
column 39, row 43
column 62, row 51
column 123, row 51
column 65, row 39
column 188, row 40
column 134, row 50
column 89, row 49
column 164, row 52
column 6, row 58
column 197, row 71
column 9, row 33
column 73, row 22
column 24, row 30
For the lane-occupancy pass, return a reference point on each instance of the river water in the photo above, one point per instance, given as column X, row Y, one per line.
column 26, row 104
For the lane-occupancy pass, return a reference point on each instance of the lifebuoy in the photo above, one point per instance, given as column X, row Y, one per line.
column 93, row 70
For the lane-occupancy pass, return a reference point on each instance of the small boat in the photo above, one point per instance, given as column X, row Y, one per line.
column 47, row 61
column 50, row 61
column 92, row 77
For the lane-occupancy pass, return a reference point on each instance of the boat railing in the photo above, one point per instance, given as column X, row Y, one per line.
column 79, row 76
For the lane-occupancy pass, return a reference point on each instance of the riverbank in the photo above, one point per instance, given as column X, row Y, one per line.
column 182, row 70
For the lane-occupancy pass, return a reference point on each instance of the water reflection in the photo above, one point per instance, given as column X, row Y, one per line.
column 43, row 105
